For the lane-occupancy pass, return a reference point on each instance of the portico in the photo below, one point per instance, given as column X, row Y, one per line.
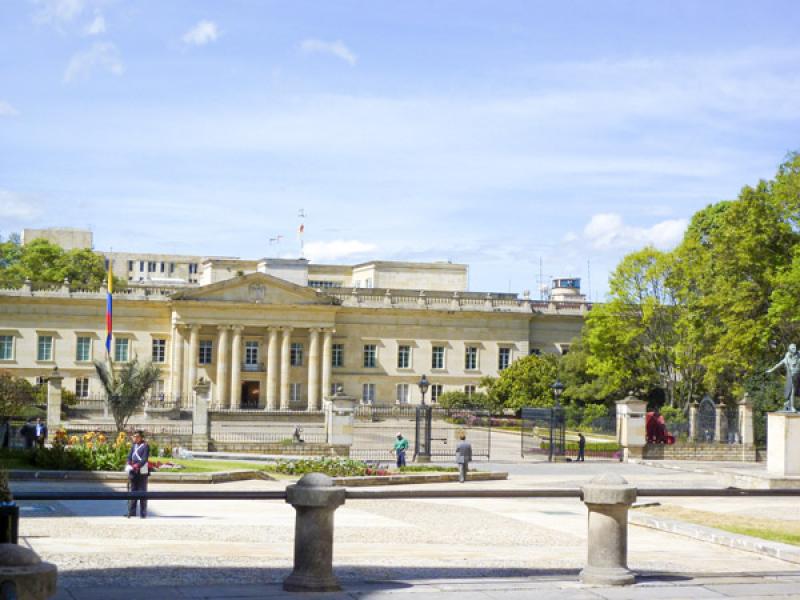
column 263, row 343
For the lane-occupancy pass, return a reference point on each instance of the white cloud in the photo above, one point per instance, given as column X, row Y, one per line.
column 97, row 26
column 6, row 110
column 102, row 55
column 337, row 49
column 201, row 34
column 17, row 207
column 57, row 12
column 608, row 231
column 334, row 250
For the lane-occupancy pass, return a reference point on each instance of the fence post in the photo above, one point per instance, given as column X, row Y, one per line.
column 54, row 401
column 693, row 422
column 24, row 575
column 200, row 422
column 746, row 433
column 720, row 423
column 608, row 498
column 339, row 419
column 315, row 500
column 631, row 429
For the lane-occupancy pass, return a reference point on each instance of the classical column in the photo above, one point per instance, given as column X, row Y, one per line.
column 194, row 338
column 327, row 359
column 313, row 369
column 236, row 368
column 285, row 367
column 176, row 375
column 262, row 358
column 272, row 369
column 221, row 401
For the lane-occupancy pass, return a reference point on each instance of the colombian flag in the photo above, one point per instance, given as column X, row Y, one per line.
column 108, row 308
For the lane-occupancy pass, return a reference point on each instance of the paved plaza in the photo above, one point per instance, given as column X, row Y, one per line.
column 464, row 548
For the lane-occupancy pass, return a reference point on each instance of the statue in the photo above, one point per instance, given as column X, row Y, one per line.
column 792, row 387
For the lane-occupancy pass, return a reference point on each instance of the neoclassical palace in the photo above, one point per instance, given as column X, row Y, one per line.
column 283, row 333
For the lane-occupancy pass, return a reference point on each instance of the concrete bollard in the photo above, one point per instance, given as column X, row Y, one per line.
column 315, row 500
column 24, row 575
column 608, row 498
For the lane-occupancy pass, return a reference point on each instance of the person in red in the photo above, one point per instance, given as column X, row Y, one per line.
column 138, row 472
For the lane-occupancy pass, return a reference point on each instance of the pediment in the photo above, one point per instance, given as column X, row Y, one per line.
column 255, row 288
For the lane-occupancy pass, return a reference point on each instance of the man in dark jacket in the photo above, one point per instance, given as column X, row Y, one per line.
column 463, row 456
column 138, row 472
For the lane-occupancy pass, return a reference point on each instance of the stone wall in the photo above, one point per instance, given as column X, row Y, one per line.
column 700, row 452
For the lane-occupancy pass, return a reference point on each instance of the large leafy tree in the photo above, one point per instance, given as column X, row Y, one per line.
column 44, row 262
column 15, row 394
column 526, row 382
column 126, row 387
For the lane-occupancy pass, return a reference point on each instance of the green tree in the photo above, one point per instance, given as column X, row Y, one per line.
column 526, row 382
column 126, row 387
column 16, row 393
column 44, row 262
column 477, row 400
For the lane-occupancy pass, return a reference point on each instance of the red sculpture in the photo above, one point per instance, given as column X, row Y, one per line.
column 656, row 429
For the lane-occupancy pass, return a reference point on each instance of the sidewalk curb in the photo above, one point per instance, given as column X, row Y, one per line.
column 785, row 552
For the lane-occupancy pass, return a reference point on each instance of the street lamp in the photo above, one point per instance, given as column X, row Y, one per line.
column 557, row 388
column 423, row 384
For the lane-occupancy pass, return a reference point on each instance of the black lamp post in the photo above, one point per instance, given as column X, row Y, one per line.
column 555, row 415
column 423, row 384
column 422, row 437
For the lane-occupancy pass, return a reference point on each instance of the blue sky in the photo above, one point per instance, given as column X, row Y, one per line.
column 485, row 132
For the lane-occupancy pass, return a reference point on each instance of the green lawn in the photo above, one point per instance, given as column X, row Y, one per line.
column 197, row 465
column 774, row 530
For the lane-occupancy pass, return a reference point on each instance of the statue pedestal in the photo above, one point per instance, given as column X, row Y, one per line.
column 783, row 443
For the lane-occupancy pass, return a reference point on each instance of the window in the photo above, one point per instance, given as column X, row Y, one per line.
column 535, row 352
column 469, row 390
column 83, row 349
column 368, row 393
column 159, row 351
column 370, row 355
column 141, row 266
column 402, row 393
column 296, row 355
column 151, row 266
column 157, row 391
column 192, row 268
column 322, row 284
column 41, row 380
column 163, row 265
column 335, row 387
column 436, row 391
column 44, row 350
column 130, row 265
column 6, row 347
column 337, row 355
column 503, row 358
column 171, row 268
column 251, row 353
column 471, row 358
column 437, row 358
column 205, row 351
column 295, row 390
column 368, row 282
column 404, row 357
column 82, row 387
column 121, row 349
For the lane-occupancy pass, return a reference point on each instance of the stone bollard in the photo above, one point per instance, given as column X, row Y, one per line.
column 315, row 500
column 608, row 498
column 24, row 575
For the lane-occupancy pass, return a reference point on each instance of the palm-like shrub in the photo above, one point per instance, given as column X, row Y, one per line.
column 126, row 387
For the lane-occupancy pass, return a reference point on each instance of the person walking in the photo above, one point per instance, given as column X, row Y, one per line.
column 39, row 432
column 581, row 447
column 400, row 449
column 138, row 472
column 463, row 456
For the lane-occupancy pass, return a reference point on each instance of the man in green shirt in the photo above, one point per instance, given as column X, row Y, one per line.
column 400, row 447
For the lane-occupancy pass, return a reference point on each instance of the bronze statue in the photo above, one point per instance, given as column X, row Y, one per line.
column 792, row 386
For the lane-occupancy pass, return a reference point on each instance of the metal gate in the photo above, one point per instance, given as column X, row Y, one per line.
column 542, row 432
column 706, row 420
column 376, row 429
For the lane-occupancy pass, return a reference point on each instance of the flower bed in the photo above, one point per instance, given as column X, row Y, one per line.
column 91, row 451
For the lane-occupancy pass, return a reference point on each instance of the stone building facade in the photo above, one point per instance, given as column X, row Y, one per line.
column 277, row 334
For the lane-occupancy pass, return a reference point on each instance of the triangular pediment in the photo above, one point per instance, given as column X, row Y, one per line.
column 255, row 288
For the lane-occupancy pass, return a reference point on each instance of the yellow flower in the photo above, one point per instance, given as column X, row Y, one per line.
column 89, row 445
column 73, row 440
column 101, row 439
column 88, row 436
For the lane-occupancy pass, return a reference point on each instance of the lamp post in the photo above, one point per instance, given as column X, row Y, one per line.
column 422, row 439
column 557, row 388
column 423, row 384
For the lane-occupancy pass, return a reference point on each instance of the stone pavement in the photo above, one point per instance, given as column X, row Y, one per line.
column 459, row 548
